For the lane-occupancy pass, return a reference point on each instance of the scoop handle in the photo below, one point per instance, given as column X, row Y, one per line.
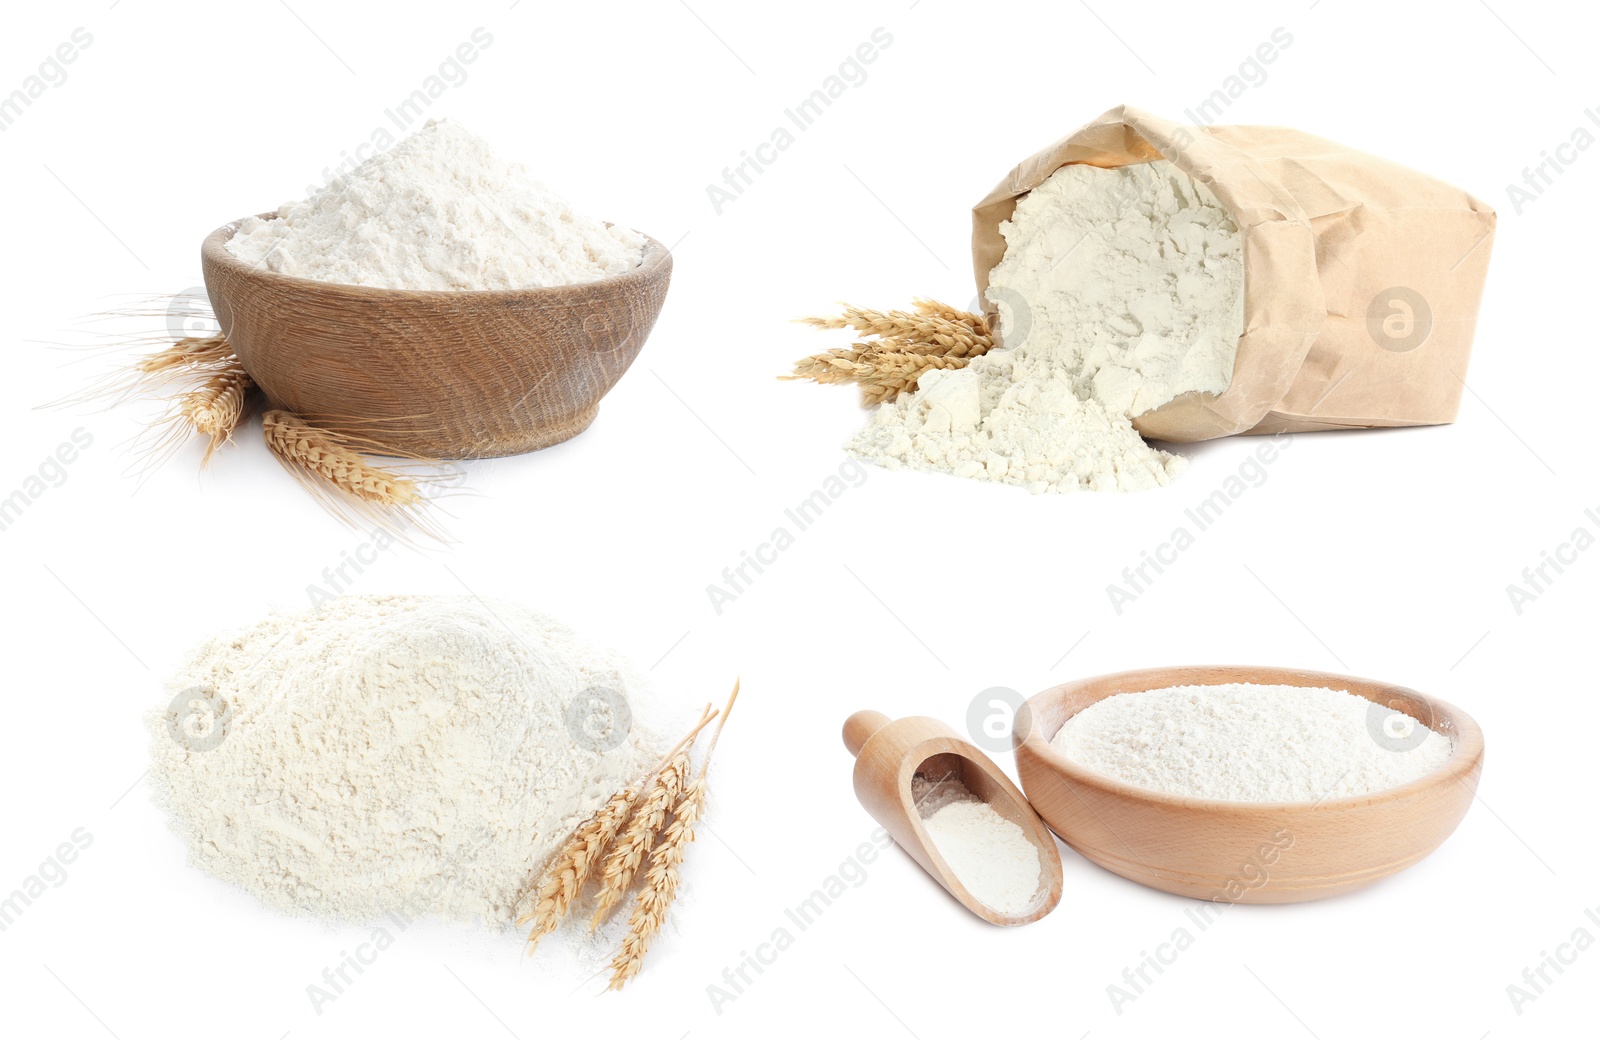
column 859, row 727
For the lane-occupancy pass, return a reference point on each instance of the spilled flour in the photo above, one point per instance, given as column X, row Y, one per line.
column 410, row 755
column 437, row 211
column 1119, row 290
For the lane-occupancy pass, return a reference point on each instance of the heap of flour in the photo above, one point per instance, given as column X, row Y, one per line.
column 1242, row 742
column 437, row 211
column 991, row 856
column 419, row 756
column 1119, row 290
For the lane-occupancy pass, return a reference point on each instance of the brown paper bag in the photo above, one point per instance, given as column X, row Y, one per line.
column 1362, row 277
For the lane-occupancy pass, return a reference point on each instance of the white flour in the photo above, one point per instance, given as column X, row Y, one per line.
column 437, row 211
column 988, row 854
column 391, row 755
column 1119, row 290
column 1242, row 742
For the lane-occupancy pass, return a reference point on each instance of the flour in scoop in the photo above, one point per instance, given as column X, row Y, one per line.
column 1242, row 742
column 988, row 853
column 437, row 211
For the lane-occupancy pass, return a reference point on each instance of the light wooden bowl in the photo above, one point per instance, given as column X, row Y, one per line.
column 450, row 375
column 889, row 753
column 1244, row 852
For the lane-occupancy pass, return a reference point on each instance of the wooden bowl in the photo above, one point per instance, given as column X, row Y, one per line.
column 1244, row 852
column 449, row 375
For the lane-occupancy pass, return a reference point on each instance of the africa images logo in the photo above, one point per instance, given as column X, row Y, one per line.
column 1399, row 319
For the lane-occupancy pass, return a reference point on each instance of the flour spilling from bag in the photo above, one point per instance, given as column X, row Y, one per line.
column 1120, row 289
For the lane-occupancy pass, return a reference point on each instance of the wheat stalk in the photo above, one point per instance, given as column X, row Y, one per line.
column 898, row 372
column 575, row 862
column 940, row 327
column 571, row 868
column 212, row 399
column 661, row 885
column 213, row 406
column 148, row 374
column 213, row 396
column 622, row 865
column 189, row 352
column 881, row 374
column 864, row 319
column 924, row 305
column 661, row 881
column 217, row 407
column 906, row 344
column 872, row 395
column 333, row 459
column 835, row 366
column 332, row 464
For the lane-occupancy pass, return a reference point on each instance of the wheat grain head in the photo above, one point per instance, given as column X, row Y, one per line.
column 572, row 866
column 661, row 885
column 622, row 865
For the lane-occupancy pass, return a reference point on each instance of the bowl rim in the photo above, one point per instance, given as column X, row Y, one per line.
column 1466, row 751
column 214, row 250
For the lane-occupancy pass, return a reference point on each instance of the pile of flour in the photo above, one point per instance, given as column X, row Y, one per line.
column 1119, row 290
column 1242, row 742
column 437, row 211
column 420, row 756
column 991, row 856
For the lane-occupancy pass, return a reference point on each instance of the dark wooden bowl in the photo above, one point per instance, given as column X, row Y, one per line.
column 449, row 375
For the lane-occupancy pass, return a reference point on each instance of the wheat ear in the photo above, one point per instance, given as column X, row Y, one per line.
column 901, row 368
column 574, row 863
column 189, row 352
column 933, row 335
column 148, row 374
column 661, row 881
column 660, row 887
column 872, row 395
column 572, row 867
column 216, row 408
column 881, row 374
column 928, row 305
column 933, row 323
column 622, row 865
column 330, row 458
column 835, row 366
column 215, row 404
column 332, row 464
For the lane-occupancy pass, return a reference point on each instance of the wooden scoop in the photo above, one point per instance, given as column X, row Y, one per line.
column 890, row 753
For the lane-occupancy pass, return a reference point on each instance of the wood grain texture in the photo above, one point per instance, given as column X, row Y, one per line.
column 448, row 375
column 1244, row 852
column 889, row 753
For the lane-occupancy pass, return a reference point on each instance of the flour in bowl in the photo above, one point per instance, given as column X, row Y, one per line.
column 437, row 211
column 1242, row 742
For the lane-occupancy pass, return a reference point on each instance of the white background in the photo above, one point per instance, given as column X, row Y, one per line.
column 1383, row 554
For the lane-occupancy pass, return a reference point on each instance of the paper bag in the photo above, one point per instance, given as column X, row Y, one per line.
column 1361, row 284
